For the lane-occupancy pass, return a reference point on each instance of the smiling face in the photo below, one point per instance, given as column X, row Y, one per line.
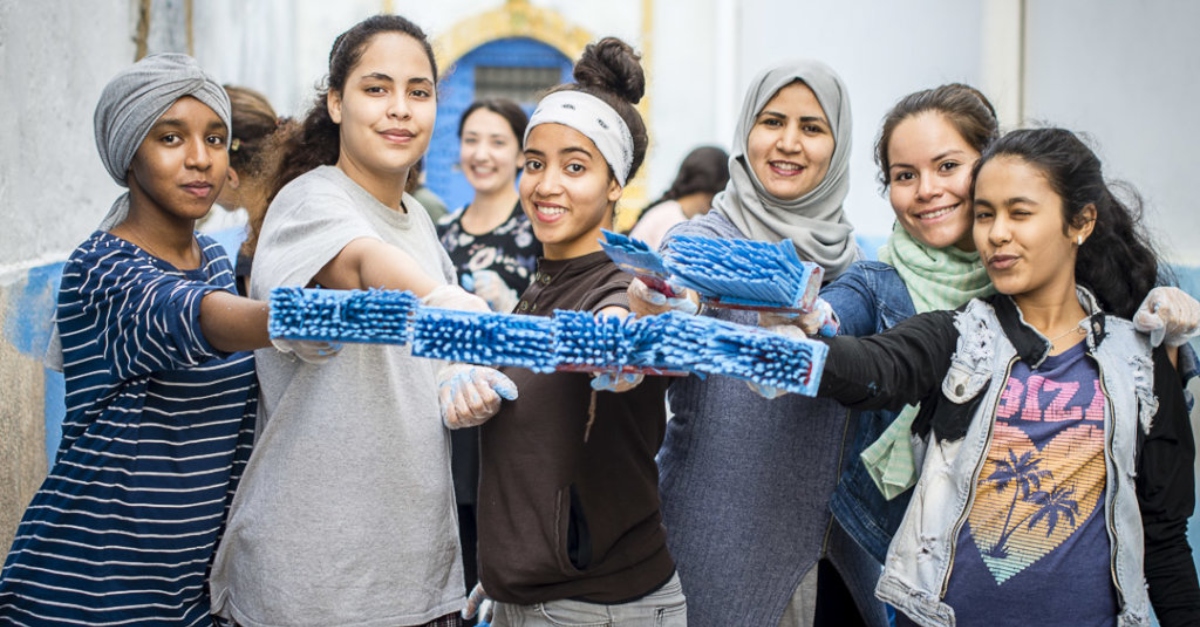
column 489, row 152
column 385, row 112
column 929, row 181
column 178, row 170
column 1020, row 230
column 791, row 143
column 566, row 191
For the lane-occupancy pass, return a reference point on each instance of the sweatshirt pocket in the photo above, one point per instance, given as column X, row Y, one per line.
column 574, row 546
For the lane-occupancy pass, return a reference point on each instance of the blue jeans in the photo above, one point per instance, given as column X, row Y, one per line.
column 663, row 607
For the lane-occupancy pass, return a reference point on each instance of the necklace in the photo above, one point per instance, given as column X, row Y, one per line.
column 1078, row 328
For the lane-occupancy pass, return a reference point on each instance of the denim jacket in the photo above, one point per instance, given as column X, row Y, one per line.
column 1148, row 497
column 869, row 298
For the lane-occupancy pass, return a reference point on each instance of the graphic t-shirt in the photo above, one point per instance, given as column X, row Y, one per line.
column 1034, row 549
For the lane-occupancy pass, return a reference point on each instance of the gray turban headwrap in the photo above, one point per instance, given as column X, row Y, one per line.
column 137, row 96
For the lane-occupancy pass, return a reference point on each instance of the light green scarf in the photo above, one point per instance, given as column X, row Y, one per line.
column 937, row 278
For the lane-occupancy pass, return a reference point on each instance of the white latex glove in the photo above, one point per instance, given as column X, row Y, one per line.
column 313, row 352
column 469, row 395
column 455, row 297
column 1168, row 315
column 815, row 322
column 488, row 285
column 616, row 381
column 644, row 301
column 479, row 603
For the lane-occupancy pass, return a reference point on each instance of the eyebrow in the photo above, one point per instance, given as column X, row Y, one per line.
column 180, row 123
column 948, row 153
column 568, row 150
column 1009, row 202
column 803, row 118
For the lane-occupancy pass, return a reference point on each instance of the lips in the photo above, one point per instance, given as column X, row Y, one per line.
column 398, row 135
column 1002, row 261
column 934, row 214
column 199, row 189
column 785, row 168
column 549, row 213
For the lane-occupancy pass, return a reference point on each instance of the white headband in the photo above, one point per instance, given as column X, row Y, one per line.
column 596, row 120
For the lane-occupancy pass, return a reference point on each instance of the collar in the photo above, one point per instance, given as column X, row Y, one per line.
column 1032, row 346
column 564, row 268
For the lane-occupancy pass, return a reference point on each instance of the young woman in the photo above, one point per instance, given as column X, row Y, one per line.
column 490, row 240
column 927, row 146
column 703, row 173
column 160, row 405
column 491, row 243
column 746, row 502
column 347, row 501
column 569, row 523
column 1058, row 479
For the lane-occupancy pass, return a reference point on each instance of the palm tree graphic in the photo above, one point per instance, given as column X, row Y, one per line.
column 1025, row 473
column 1053, row 503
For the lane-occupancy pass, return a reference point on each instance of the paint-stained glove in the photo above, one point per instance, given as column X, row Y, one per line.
column 819, row 321
column 470, row 395
column 1168, row 315
column 455, row 297
column 313, row 352
column 616, row 381
column 644, row 301
column 488, row 285
column 479, row 603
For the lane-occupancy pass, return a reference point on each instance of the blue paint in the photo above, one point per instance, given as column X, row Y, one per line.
column 27, row 319
column 54, row 395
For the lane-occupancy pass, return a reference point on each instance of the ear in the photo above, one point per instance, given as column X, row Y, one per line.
column 614, row 190
column 333, row 103
column 233, row 179
column 1087, row 218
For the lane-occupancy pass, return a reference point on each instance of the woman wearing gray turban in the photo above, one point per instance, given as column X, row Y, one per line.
column 160, row 407
column 745, row 482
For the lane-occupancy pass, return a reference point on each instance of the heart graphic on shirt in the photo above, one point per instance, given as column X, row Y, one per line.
column 1030, row 501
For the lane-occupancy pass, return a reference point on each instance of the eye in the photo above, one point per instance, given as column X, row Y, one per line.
column 902, row 177
column 772, row 122
column 375, row 90
column 532, row 165
column 576, row 168
column 421, row 93
column 948, row 166
column 982, row 214
column 814, row 129
column 171, row 139
column 215, row 140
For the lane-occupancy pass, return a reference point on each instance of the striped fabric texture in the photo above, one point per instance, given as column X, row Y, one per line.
column 158, row 429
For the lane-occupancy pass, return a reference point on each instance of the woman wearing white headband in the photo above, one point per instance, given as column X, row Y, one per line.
column 746, row 481
column 569, row 523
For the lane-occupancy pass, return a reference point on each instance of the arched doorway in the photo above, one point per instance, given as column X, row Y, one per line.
column 519, row 68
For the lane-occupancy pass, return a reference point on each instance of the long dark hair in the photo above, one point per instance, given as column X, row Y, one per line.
column 963, row 106
column 1117, row 261
column 503, row 107
column 317, row 142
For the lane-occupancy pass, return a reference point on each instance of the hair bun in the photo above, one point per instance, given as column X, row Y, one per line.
column 612, row 65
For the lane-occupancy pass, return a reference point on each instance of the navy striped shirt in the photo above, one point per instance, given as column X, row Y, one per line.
column 158, row 428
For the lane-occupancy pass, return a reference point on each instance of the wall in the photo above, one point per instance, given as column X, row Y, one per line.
column 54, row 60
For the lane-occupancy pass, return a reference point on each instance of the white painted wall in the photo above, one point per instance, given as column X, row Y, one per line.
column 1126, row 72
column 55, row 58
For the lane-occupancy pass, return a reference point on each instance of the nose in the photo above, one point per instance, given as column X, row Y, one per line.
column 198, row 157
column 398, row 108
column 999, row 231
column 548, row 184
column 789, row 140
column 928, row 187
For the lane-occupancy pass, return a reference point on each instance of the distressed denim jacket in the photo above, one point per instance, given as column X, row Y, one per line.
column 869, row 298
column 920, row 558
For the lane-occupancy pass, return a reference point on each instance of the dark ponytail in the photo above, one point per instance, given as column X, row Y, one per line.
column 705, row 169
column 316, row 142
column 1117, row 261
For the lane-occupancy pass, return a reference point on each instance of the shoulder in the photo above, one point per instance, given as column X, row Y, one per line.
column 711, row 224
column 324, row 182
